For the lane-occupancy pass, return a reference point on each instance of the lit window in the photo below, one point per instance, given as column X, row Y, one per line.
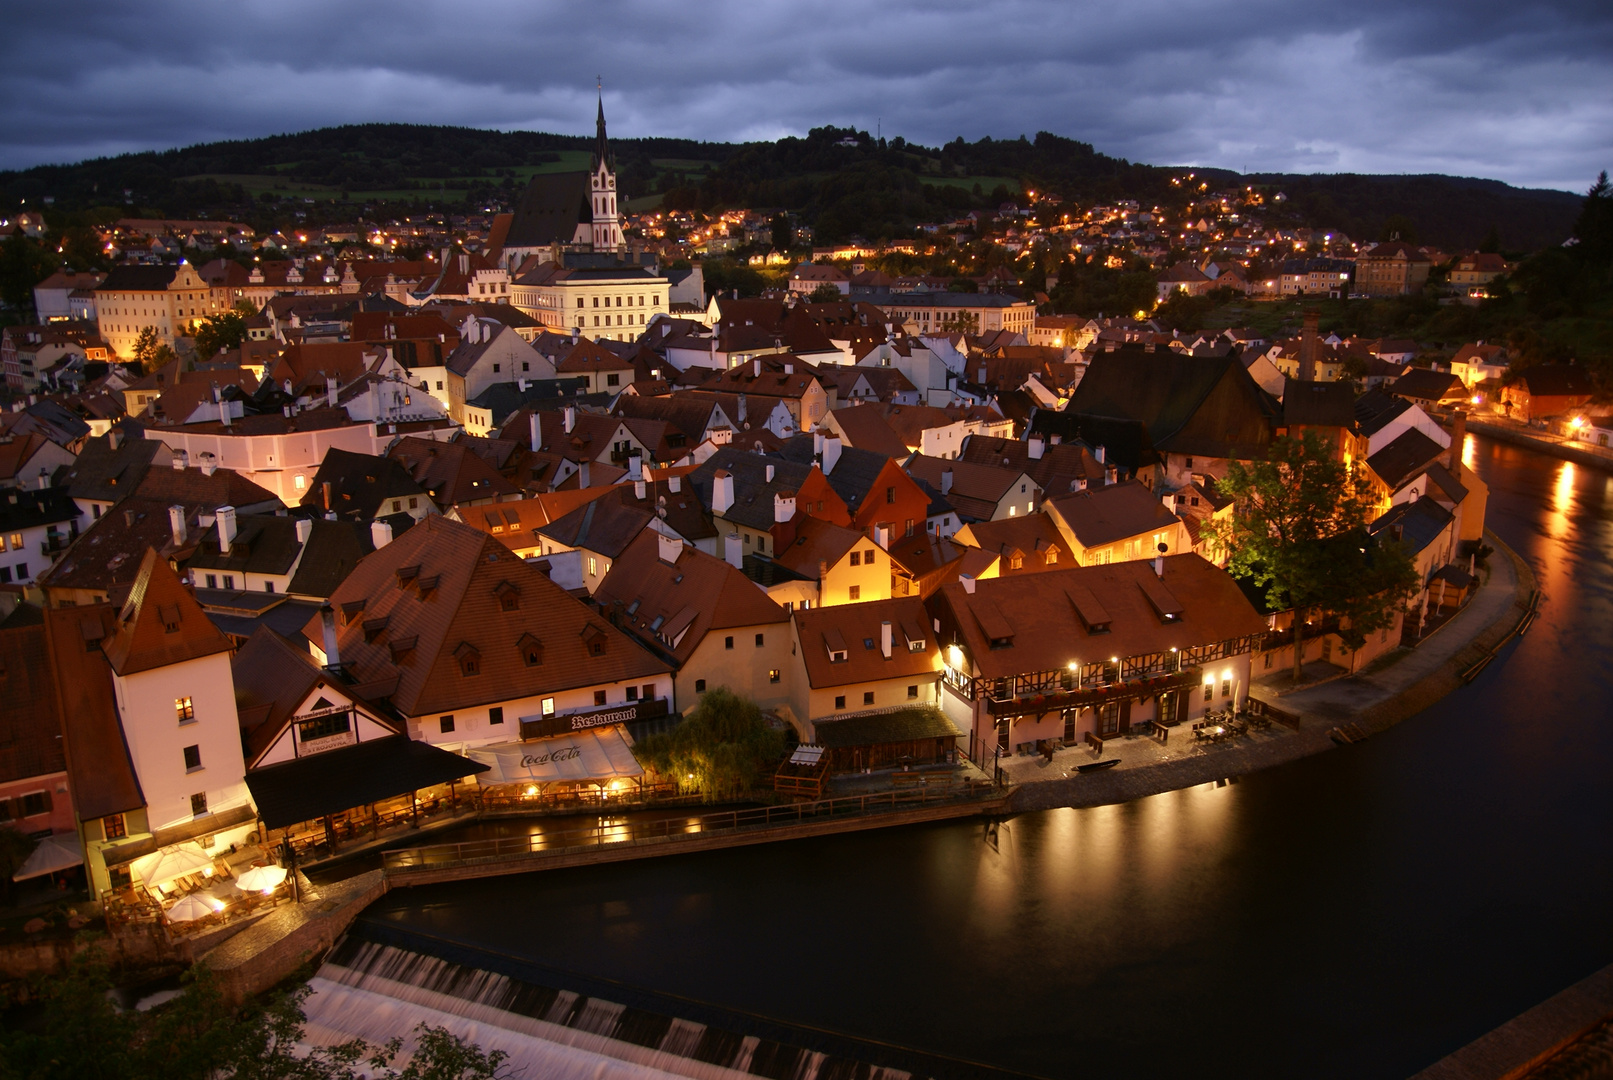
column 548, row 706
column 185, row 709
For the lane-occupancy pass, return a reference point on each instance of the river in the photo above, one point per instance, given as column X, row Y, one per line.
column 1359, row 913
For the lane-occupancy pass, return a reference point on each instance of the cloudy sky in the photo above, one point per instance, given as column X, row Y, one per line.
column 1516, row 91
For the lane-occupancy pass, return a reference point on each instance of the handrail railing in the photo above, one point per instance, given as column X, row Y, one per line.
column 667, row 830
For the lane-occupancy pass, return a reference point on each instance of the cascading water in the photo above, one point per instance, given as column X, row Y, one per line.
column 376, row 992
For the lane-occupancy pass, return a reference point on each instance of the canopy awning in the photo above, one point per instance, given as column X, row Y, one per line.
column 308, row 788
column 60, row 852
column 594, row 754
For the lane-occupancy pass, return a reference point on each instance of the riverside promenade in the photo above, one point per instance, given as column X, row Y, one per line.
column 1393, row 688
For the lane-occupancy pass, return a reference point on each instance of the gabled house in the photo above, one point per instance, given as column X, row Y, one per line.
column 1117, row 523
column 978, row 492
column 110, row 468
column 365, row 488
column 865, row 685
column 1097, row 650
column 149, row 719
column 472, row 647
column 881, row 499
column 704, row 616
column 1548, row 391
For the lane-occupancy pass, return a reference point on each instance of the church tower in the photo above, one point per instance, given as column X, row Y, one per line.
column 607, row 235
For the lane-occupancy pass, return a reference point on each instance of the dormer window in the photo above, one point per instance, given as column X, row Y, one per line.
column 509, row 597
column 374, row 628
column 594, row 640
column 470, row 659
column 531, row 650
column 169, row 614
column 916, row 646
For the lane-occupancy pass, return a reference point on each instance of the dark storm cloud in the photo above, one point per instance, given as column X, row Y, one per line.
column 1521, row 93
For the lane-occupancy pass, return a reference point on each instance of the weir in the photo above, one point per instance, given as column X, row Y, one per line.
column 374, row 989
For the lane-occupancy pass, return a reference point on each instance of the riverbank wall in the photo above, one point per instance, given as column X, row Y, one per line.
column 1551, row 447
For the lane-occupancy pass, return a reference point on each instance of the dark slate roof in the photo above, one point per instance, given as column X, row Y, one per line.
column 1190, row 405
column 1401, row 460
column 550, row 210
column 336, row 780
column 753, row 493
column 22, row 508
column 1318, row 404
column 504, row 399
column 1376, row 408
column 1126, row 443
column 605, row 525
column 1423, row 384
column 854, row 473
column 1420, row 522
column 142, row 278
column 241, row 614
column 102, row 474
column 897, row 725
column 1442, row 478
column 360, row 485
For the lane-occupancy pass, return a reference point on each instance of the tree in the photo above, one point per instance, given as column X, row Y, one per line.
column 1299, row 530
column 24, row 263
column 1398, row 227
column 963, row 322
column 217, row 333
column 149, row 351
column 199, row 1036
column 1491, row 244
column 723, row 748
column 1594, row 229
column 826, row 293
column 783, row 232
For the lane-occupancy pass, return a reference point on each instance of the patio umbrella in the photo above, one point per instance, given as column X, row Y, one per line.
column 189, row 909
column 161, row 867
column 53, row 853
column 261, row 879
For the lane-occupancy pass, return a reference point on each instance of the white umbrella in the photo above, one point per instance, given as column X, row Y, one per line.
column 61, row 852
column 261, row 879
column 161, row 867
column 189, row 909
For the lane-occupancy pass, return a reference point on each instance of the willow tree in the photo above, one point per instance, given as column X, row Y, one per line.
column 1299, row 530
column 723, row 748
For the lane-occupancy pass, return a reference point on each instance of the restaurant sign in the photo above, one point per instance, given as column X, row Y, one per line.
column 538, row 727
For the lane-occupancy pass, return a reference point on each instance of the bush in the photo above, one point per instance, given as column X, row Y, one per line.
column 723, row 748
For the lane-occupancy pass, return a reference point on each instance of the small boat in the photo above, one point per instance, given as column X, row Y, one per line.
column 1094, row 766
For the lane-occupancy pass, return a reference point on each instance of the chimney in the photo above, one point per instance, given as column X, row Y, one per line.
column 1453, row 454
column 882, row 536
column 1110, row 474
column 823, row 571
column 783, row 508
column 209, row 464
column 327, row 623
column 831, row 454
column 1307, row 347
column 1055, row 440
column 1159, row 561
column 789, row 369
column 330, row 391
column 520, row 384
column 176, row 524
column 722, row 491
column 1036, row 447
column 113, row 438
column 583, row 475
column 968, row 583
column 668, row 548
column 225, row 517
column 770, row 474
column 885, row 639
column 756, row 368
column 305, row 529
column 44, row 479
column 535, row 432
column 635, row 467
column 731, row 551
column 639, row 487
column 570, row 414
column 324, row 490
column 1098, row 452
column 946, row 481
column 674, row 484
column 181, row 460
column 743, row 410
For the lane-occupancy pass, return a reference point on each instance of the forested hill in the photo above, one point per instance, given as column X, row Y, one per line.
column 841, row 181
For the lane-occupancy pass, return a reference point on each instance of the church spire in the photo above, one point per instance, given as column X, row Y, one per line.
column 601, row 149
